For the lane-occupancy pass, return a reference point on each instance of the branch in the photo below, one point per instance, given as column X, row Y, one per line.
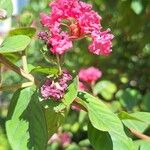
column 140, row 135
column 24, row 61
column 15, row 86
column 15, row 68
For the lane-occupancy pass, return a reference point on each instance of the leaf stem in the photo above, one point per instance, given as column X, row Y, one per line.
column 15, row 86
column 24, row 61
column 140, row 135
column 58, row 63
column 16, row 69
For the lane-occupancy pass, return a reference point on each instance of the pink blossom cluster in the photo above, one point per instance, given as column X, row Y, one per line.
column 56, row 89
column 89, row 75
column 80, row 21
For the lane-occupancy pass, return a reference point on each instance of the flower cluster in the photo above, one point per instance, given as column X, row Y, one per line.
column 56, row 89
column 80, row 21
column 90, row 75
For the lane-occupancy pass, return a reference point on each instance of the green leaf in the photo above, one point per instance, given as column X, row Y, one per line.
column 26, row 126
column 28, row 31
column 105, row 88
column 54, row 118
column 37, row 124
column 124, row 115
column 146, row 102
column 19, row 102
column 100, row 140
column 104, row 120
column 71, row 93
column 45, row 70
column 7, row 5
column 140, row 124
column 128, row 98
column 136, row 6
column 14, row 44
column 142, row 145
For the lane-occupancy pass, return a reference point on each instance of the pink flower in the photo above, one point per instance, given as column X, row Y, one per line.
column 55, row 89
column 101, row 43
column 81, row 21
column 60, row 43
column 82, row 87
column 90, row 75
column 62, row 138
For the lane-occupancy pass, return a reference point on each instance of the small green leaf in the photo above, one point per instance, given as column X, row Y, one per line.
column 28, row 31
column 128, row 98
column 14, row 44
column 140, row 124
column 105, row 88
column 136, row 6
column 71, row 93
column 104, row 120
column 100, row 140
column 124, row 115
column 45, row 70
column 7, row 5
column 146, row 102
column 54, row 119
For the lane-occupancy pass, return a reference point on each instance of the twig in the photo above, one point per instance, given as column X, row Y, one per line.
column 15, row 68
column 58, row 63
column 24, row 61
column 140, row 135
column 15, row 86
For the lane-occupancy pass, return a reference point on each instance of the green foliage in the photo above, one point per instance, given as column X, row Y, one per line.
column 99, row 139
column 137, row 7
column 27, row 120
column 146, row 102
column 28, row 31
column 71, row 93
column 125, row 72
column 7, row 5
column 3, row 140
column 54, row 119
column 103, row 119
column 45, row 70
column 129, row 98
column 138, row 121
column 142, row 145
column 105, row 88
column 14, row 44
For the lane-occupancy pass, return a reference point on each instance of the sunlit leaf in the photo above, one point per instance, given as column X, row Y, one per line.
column 28, row 31
column 14, row 44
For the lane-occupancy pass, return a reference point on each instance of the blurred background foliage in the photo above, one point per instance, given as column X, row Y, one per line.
column 125, row 84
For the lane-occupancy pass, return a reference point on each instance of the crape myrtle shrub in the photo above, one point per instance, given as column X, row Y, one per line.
column 122, row 82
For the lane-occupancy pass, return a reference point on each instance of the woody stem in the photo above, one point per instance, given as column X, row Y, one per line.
column 58, row 64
